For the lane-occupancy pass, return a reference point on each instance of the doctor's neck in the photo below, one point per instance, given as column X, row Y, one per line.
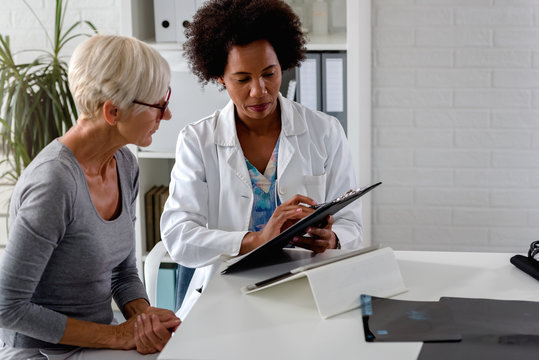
column 261, row 126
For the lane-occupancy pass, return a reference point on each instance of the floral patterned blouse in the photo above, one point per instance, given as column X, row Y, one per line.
column 265, row 198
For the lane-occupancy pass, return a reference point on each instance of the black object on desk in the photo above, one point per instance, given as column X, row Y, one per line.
column 491, row 329
column 266, row 253
column 404, row 320
column 528, row 264
column 524, row 263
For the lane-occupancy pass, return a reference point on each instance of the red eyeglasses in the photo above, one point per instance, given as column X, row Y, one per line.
column 162, row 107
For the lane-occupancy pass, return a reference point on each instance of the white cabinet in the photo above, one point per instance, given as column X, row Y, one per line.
column 354, row 37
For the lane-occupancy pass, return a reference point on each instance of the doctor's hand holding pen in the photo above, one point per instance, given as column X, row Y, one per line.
column 284, row 216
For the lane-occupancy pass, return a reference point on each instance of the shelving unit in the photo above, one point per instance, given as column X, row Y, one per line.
column 137, row 20
column 332, row 42
column 154, row 155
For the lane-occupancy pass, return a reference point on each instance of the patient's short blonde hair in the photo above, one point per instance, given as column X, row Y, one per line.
column 116, row 68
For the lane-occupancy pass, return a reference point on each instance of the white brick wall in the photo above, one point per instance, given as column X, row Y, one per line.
column 456, row 124
column 17, row 21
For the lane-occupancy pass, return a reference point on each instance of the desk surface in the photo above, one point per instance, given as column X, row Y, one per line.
column 282, row 322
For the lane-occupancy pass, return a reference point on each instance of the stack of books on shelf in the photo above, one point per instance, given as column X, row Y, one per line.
column 154, row 202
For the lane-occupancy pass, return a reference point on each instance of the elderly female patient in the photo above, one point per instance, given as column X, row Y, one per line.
column 71, row 244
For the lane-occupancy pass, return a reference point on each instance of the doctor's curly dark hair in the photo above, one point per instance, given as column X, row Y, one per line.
column 221, row 24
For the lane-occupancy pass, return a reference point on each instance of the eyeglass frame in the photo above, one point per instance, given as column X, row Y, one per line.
column 163, row 107
column 534, row 250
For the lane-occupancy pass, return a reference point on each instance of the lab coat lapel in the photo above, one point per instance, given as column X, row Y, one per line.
column 293, row 124
column 286, row 152
column 236, row 161
column 228, row 146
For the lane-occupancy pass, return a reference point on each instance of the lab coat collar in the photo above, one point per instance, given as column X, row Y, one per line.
column 293, row 123
column 227, row 139
column 225, row 129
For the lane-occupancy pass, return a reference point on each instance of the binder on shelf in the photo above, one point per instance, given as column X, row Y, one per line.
column 148, row 216
column 334, row 85
column 156, row 200
column 185, row 9
column 172, row 17
column 308, row 82
column 163, row 196
column 321, row 83
column 165, row 20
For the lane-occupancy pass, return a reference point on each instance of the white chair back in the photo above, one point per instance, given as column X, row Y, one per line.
column 151, row 270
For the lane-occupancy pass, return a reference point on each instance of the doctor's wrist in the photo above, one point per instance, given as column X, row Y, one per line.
column 250, row 241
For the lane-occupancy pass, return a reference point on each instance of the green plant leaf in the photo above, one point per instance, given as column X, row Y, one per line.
column 36, row 104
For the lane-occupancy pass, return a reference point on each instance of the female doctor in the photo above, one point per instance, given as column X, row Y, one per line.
column 250, row 170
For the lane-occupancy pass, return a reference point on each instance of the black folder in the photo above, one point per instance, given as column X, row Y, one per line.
column 271, row 252
column 406, row 320
column 491, row 329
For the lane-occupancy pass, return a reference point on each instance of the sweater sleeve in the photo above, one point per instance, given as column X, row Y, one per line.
column 40, row 211
column 126, row 285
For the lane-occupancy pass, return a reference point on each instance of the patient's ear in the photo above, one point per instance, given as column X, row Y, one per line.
column 110, row 113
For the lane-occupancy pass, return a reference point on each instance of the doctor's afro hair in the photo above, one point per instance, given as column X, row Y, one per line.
column 221, row 24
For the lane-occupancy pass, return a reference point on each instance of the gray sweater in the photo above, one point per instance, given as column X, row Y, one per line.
column 62, row 259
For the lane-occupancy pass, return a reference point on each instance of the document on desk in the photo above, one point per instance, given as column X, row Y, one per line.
column 491, row 329
column 404, row 320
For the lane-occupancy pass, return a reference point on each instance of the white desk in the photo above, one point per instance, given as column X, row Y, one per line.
column 282, row 322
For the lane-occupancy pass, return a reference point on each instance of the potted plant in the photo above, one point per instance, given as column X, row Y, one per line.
column 36, row 105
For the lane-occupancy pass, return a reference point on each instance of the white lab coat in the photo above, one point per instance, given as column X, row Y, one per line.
column 208, row 211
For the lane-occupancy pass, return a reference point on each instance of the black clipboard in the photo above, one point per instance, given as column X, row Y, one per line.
column 269, row 252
